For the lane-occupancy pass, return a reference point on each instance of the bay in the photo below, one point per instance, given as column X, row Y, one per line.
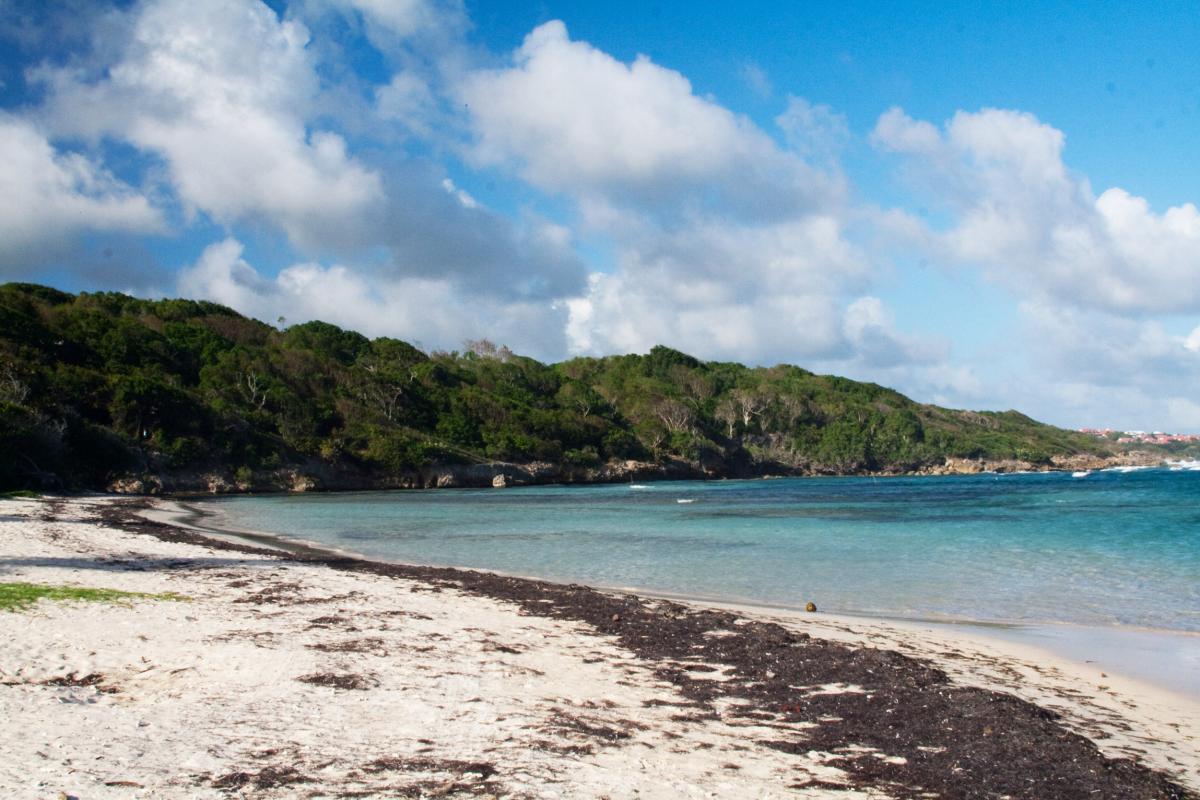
column 1106, row 548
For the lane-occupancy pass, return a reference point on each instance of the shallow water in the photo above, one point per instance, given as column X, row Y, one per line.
column 1108, row 548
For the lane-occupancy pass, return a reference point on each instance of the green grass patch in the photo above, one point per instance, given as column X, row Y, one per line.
column 20, row 596
column 17, row 494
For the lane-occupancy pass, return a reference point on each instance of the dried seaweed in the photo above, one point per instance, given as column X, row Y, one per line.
column 938, row 737
column 338, row 681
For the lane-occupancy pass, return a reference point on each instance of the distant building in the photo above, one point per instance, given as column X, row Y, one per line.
column 1142, row 437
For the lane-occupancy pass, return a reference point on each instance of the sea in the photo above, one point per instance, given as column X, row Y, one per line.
column 1106, row 548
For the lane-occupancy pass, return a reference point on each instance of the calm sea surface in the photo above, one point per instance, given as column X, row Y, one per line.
column 1108, row 548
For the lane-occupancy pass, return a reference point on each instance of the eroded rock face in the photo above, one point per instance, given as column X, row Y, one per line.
column 149, row 484
column 126, row 486
column 974, row 466
column 1079, row 462
column 217, row 484
column 303, row 483
column 318, row 476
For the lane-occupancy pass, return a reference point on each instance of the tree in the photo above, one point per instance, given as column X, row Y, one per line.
column 255, row 388
column 728, row 412
column 327, row 340
column 386, row 377
column 750, row 403
column 12, row 388
column 791, row 409
column 483, row 348
column 675, row 416
column 94, row 384
column 695, row 385
column 579, row 397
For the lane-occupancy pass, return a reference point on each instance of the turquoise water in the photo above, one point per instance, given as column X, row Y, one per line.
column 1108, row 548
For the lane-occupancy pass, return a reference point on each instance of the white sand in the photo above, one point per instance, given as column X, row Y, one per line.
column 196, row 691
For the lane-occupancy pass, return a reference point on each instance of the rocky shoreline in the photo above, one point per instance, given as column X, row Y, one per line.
column 319, row 476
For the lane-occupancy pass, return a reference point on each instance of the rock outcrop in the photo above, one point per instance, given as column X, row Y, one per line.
column 321, row 476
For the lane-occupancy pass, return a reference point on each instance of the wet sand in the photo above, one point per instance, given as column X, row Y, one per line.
column 309, row 674
column 1164, row 660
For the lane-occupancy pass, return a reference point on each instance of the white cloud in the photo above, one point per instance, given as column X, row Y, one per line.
column 225, row 93
column 570, row 118
column 464, row 198
column 1104, row 369
column 1019, row 211
column 1106, row 349
column 408, row 100
column 869, row 327
column 48, row 197
column 221, row 91
column 221, row 275
column 814, row 130
column 395, row 25
column 432, row 228
column 623, row 313
column 761, row 293
column 1193, row 340
column 427, row 311
column 724, row 243
column 404, row 18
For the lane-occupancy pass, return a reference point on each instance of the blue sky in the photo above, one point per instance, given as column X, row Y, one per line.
column 984, row 205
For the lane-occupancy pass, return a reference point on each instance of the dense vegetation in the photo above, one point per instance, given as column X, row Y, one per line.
column 94, row 386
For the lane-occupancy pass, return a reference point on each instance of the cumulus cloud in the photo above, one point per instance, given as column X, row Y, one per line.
column 1110, row 369
column 725, row 243
column 432, row 228
column 408, row 100
column 221, row 91
column 1016, row 209
column 761, row 295
column 753, row 293
column 430, row 312
column 48, row 197
column 623, row 313
column 570, row 118
column 1105, row 349
column 869, row 327
column 226, row 93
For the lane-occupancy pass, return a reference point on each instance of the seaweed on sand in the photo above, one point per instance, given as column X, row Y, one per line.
column 910, row 731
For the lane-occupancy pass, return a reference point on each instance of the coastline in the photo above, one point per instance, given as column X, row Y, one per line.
column 315, row 476
column 1164, row 660
column 685, row 690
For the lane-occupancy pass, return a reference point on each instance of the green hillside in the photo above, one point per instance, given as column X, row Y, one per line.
column 96, row 386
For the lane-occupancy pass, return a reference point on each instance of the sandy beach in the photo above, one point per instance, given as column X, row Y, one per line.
column 310, row 675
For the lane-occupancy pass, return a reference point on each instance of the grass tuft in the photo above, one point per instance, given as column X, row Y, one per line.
column 18, row 494
column 20, row 596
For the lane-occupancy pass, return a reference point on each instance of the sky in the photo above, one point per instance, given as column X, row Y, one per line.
column 983, row 205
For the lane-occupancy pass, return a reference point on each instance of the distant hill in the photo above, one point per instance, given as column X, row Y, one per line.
column 106, row 390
